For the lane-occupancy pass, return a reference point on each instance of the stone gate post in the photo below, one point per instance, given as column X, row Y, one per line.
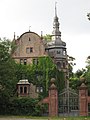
column 53, row 99
column 83, row 103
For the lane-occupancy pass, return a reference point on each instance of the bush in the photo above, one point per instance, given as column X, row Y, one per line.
column 23, row 106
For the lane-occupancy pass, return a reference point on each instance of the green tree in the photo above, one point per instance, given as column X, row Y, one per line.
column 87, row 73
column 7, row 74
column 47, row 37
column 11, row 73
column 45, row 70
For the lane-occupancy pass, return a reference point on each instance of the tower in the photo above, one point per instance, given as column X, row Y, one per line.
column 57, row 48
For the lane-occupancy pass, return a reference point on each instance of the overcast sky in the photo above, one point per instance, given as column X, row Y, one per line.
column 17, row 15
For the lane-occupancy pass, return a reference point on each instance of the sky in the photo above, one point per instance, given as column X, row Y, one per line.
column 17, row 15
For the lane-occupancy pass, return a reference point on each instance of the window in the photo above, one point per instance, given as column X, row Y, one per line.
column 21, row 90
column 25, row 89
column 64, row 65
column 29, row 50
column 25, row 61
column 64, row 52
column 58, row 65
column 21, row 61
column 39, row 89
column 29, row 39
column 35, row 61
column 58, row 52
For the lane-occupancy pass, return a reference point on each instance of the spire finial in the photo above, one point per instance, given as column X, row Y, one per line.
column 55, row 9
column 29, row 28
column 14, row 35
column 41, row 34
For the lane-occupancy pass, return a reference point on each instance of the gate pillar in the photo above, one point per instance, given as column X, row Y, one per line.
column 53, row 99
column 83, row 103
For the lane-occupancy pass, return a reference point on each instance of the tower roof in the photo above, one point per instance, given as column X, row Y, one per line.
column 56, row 34
column 56, row 31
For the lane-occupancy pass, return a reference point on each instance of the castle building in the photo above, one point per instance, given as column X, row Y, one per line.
column 30, row 46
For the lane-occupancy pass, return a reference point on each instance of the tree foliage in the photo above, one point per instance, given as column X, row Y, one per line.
column 87, row 74
column 7, row 74
column 10, row 73
column 40, row 74
column 47, row 37
column 7, row 68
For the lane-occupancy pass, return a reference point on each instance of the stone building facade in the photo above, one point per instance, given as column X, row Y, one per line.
column 29, row 46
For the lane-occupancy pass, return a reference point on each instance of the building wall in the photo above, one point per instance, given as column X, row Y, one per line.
column 29, row 46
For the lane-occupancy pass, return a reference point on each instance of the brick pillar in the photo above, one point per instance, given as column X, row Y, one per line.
column 53, row 99
column 83, row 103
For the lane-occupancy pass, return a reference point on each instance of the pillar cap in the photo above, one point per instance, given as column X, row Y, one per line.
column 83, row 86
column 52, row 80
column 53, row 86
column 82, row 79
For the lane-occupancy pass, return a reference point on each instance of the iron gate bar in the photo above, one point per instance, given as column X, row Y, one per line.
column 65, row 99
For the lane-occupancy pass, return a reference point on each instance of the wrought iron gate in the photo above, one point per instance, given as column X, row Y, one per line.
column 68, row 103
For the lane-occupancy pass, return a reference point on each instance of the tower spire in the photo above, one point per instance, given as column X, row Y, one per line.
column 56, row 31
column 55, row 9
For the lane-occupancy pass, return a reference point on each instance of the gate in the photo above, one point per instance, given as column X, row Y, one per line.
column 68, row 103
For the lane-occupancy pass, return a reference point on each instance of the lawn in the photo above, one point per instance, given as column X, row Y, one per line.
column 41, row 118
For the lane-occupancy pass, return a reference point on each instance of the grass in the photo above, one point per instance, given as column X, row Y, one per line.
column 46, row 118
